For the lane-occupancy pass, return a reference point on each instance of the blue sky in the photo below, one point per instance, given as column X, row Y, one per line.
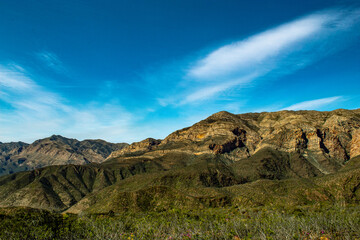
column 127, row 70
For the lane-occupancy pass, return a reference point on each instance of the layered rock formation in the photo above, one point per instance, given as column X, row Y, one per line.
column 55, row 150
column 325, row 139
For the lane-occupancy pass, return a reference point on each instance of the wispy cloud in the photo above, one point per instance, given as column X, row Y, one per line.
column 13, row 79
column 237, row 57
column 314, row 104
column 52, row 61
column 30, row 111
column 272, row 53
column 207, row 92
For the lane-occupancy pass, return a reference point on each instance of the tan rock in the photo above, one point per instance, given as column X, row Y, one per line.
column 324, row 138
column 355, row 144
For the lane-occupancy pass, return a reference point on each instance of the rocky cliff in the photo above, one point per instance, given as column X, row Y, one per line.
column 326, row 140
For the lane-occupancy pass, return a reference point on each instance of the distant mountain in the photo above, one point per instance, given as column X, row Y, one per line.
column 254, row 159
column 55, row 150
column 7, row 150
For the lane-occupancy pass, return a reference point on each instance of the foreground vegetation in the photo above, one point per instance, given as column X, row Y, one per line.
column 231, row 223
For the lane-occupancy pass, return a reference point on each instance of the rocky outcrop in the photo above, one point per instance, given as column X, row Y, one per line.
column 355, row 144
column 326, row 139
column 55, row 150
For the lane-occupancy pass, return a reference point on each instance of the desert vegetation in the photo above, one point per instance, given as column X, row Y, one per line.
column 314, row 222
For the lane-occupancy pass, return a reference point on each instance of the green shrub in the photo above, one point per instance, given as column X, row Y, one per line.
column 216, row 223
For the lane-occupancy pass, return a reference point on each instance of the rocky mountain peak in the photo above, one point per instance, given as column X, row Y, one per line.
column 57, row 138
column 331, row 138
column 222, row 115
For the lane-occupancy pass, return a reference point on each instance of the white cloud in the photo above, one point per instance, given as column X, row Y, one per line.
column 12, row 78
column 234, row 57
column 274, row 52
column 313, row 104
column 30, row 111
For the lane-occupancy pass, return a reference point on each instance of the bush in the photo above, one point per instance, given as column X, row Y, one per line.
column 217, row 223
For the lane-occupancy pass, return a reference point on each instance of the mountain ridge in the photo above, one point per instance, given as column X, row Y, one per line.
column 324, row 135
column 287, row 157
column 54, row 150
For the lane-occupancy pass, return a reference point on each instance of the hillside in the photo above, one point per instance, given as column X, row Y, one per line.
column 282, row 158
column 325, row 139
column 54, row 150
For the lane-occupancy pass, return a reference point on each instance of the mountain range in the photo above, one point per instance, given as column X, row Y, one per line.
column 254, row 159
column 55, row 150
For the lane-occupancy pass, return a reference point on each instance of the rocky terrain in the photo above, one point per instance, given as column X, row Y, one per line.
column 55, row 150
column 256, row 159
column 325, row 140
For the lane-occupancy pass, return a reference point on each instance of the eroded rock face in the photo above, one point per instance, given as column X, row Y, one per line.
column 355, row 144
column 326, row 139
column 55, row 150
